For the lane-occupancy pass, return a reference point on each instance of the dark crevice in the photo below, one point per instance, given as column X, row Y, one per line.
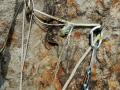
column 5, row 56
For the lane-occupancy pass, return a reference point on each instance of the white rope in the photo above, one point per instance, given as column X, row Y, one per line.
column 64, row 21
column 22, row 51
column 28, row 37
column 47, row 23
column 75, row 68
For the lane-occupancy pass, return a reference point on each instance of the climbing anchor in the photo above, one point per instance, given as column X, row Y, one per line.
column 94, row 46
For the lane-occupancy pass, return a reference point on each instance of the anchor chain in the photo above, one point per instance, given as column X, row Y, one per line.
column 95, row 47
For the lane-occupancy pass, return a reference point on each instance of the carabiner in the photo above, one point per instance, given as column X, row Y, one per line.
column 95, row 45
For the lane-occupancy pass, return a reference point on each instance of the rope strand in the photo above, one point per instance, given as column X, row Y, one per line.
column 28, row 37
column 22, row 52
column 64, row 21
column 47, row 23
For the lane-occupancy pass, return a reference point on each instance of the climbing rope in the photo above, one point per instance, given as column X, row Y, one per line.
column 35, row 16
column 24, row 50
column 22, row 47
column 28, row 36
column 64, row 21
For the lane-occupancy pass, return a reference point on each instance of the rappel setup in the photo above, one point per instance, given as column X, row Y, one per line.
column 96, row 36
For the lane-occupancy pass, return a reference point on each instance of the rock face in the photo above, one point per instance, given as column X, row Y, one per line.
column 46, row 44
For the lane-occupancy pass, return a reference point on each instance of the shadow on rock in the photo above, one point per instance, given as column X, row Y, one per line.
column 5, row 56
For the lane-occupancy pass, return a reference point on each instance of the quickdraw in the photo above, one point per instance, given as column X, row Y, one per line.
column 28, row 10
